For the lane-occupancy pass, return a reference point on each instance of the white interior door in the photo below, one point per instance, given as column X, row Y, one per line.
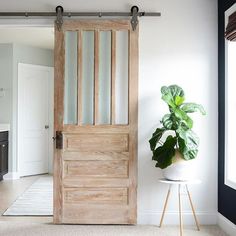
column 34, row 119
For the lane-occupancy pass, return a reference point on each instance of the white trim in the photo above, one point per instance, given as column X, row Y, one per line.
column 227, row 181
column 35, row 66
column 172, row 218
column 11, row 176
column 51, row 120
column 226, row 225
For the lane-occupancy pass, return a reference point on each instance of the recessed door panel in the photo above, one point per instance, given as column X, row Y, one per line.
column 118, row 196
column 96, row 169
column 97, row 142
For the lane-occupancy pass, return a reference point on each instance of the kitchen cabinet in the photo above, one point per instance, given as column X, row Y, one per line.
column 3, row 153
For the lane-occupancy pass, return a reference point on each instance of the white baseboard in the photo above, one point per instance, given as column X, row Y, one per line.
column 172, row 218
column 226, row 225
column 11, row 176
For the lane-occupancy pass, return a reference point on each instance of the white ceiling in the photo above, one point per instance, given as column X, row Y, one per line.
column 42, row 37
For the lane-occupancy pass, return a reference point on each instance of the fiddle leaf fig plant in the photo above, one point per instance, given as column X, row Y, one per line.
column 178, row 121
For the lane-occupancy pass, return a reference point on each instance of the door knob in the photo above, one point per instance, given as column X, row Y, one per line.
column 46, row 126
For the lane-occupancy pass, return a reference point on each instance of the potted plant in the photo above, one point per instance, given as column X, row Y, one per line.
column 180, row 144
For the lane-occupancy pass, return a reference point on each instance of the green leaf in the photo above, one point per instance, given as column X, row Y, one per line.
column 183, row 117
column 179, row 100
column 169, row 100
column 173, row 95
column 156, row 136
column 188, row 143
column 193, row 107
column 167, row 121
column 164, row 154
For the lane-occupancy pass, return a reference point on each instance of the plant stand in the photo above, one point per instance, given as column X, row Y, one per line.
column 180, row 184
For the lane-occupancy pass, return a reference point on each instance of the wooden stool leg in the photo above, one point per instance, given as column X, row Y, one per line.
column 193, row 210
column 180, row 212
column 165, row 205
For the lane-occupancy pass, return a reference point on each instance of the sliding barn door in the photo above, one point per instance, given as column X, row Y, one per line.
column 96, row 112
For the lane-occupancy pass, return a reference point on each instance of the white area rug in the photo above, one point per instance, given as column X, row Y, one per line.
column 36, row 200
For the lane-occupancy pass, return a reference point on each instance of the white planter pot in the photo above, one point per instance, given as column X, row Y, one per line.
column 179, row 170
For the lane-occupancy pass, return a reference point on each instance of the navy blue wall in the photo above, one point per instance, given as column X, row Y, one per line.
column 226, row 195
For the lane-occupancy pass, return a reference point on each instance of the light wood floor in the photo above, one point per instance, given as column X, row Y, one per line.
column 10, row 190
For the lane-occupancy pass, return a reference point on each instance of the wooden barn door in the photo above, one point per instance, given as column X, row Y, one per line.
column 96, row 112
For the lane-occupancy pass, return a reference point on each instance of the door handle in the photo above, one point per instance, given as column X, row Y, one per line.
column 58, row 139
column 46, row 126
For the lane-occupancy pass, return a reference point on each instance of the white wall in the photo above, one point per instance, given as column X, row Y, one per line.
column 6, row 54
column 6, row 73
column 180, row 47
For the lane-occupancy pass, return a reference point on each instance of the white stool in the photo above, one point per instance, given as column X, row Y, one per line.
column 179, row 183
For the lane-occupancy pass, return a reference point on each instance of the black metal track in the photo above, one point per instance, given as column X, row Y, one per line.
column 73, row 14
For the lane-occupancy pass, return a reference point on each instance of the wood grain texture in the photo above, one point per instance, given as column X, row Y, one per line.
column 97, row 169
column 96, row 142
column 95, row 180
column 59, row 58
column 88, row 155
column 96, row 195
column 96, row 24
column 81, row 182
column 133, row 121
column 92, row 129
column 95, row 214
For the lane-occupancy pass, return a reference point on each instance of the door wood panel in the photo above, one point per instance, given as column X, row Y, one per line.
column 98, row 214
column 96, row 195
column 95, row 172
column 82, row 156
column 70, row 181
column 109, row 169
column 96, row 142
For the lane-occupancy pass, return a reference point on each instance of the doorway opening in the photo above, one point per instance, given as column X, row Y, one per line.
column 26, row 103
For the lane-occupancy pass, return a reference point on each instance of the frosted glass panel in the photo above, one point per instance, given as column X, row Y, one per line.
column 70, row 89
column 87, row 76
column 122, row 82
column 104, row 96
